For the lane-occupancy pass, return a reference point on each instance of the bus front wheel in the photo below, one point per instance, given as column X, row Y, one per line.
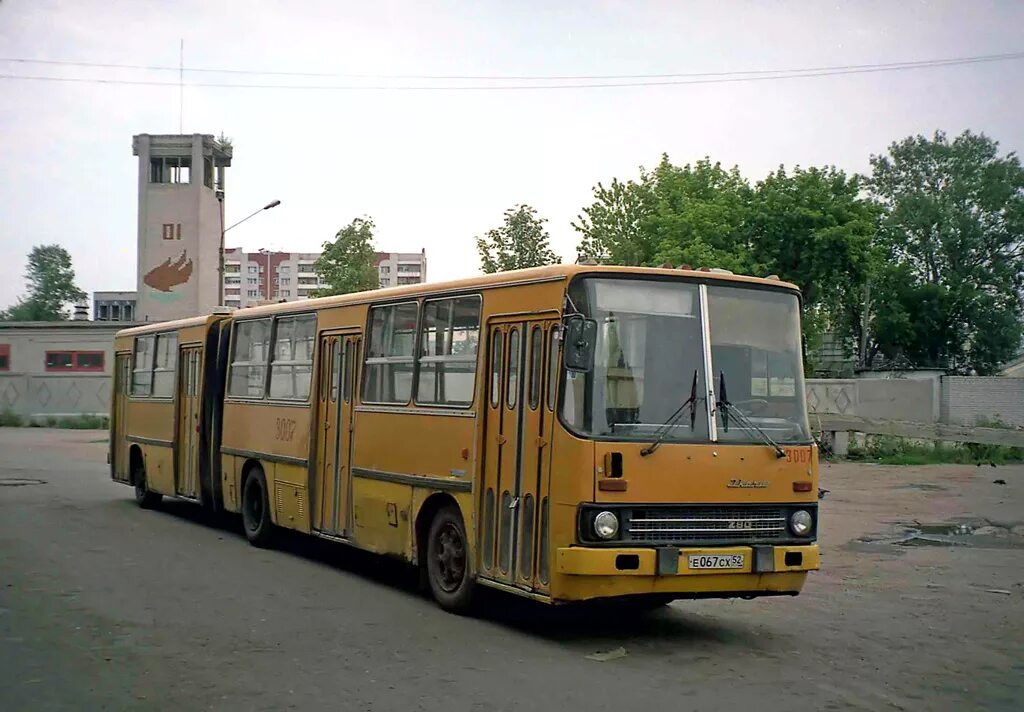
column 448, row 561
column 143, row 495
column 256, row 509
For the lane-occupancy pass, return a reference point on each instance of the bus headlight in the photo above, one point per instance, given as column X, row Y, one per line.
column 801, row 523
column 606, row 525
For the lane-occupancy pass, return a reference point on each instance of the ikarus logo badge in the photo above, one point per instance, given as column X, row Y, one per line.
column 748, row 484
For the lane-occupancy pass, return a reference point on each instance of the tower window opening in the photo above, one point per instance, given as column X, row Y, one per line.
column 170, row 169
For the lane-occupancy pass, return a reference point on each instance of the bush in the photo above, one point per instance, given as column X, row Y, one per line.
column 892, row 450
column 10, row 419
column 69, row 422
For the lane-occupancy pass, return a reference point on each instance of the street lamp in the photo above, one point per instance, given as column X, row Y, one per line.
column 220, row 199
column 268, row 253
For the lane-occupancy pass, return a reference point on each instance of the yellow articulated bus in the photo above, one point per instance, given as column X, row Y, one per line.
column 564, row 433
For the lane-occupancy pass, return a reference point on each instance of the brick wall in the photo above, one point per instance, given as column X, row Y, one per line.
column 968, row 399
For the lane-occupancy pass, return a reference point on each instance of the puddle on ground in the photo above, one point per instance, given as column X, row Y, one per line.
column 980, row 533
column 924, row 487
column 20, row 481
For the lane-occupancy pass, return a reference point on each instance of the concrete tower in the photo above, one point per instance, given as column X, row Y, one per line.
column 181, row 184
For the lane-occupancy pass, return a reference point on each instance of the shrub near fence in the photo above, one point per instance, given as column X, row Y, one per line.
column 10, row 419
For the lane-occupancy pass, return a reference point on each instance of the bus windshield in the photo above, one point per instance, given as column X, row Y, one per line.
column 755, row 351
column 650, row 351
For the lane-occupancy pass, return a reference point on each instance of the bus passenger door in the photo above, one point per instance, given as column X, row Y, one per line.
column 338, row 355
column 349, row 359
column 504, row 481
column 119, row 447
column 325, row 515
column 535, row 463
column 189, row 403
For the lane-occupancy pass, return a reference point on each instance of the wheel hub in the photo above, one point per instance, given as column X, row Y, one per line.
column 450, row 558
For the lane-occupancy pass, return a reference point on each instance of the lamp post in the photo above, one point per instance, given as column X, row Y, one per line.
column 268, row 253
column 220, row 198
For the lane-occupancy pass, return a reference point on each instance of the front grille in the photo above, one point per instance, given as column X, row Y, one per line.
column 678, row 525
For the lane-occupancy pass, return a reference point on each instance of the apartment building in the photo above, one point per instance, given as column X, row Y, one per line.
column 252, row 278
column 396, row 268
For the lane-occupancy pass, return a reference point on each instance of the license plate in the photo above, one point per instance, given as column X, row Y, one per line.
column 717, row 561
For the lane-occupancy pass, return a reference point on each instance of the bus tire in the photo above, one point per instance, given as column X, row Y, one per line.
column 256, row 521
column 146, row 498
column 447, row 564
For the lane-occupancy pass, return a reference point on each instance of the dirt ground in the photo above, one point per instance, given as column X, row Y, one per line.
column 105, row 606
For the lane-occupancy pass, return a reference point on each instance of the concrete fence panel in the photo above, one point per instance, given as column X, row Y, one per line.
column 55, row 394
column 897, row 399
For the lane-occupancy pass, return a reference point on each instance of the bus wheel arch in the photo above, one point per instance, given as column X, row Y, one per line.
column 146, row 498
column 136, row 463
column 443, row 552
column 257, row 519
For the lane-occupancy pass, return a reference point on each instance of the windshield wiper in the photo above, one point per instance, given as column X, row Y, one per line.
column 663, row 431
column 744, row 421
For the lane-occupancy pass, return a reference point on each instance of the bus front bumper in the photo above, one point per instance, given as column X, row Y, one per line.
column 600, row 572
column 675, row 561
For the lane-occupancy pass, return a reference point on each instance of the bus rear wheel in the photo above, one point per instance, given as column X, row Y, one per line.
column 448, row 561
column 256, row 520
column 143, row 495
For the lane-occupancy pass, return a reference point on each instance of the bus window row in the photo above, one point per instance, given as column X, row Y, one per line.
column 273, row 358
column 442, row 372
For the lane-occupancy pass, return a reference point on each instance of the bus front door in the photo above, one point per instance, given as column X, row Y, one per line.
column 189, row 403
column 338, row 353
column 516, row 437
column 119, row 447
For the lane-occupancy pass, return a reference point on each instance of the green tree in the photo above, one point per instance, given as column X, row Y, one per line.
column 347, row 262
column 814, row 227
column 520, row 242
column 950, row 294
column 701, row 216
column 614, row 227
column 51, row 286
column 694, row 214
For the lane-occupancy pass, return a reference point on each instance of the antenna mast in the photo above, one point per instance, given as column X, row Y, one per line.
column 181, row 87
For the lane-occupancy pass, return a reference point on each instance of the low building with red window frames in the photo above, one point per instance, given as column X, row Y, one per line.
column 53, row 369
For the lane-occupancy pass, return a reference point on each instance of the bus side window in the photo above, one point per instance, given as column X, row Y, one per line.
column 291, row 362
column 249, row 350
column 449, row 333
column 165, row 365
column 389, row 354
column 142, row 365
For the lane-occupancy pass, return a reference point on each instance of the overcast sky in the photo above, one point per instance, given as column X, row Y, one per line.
column 436, row 168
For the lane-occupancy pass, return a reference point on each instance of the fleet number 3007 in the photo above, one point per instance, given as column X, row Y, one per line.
column 285, row 429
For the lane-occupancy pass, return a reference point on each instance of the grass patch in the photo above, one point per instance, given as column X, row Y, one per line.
column 891, row 450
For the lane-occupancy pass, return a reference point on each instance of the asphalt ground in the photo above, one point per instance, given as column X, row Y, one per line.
column 104, row 606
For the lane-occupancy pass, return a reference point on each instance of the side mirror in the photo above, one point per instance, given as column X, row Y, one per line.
column 579, row 344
